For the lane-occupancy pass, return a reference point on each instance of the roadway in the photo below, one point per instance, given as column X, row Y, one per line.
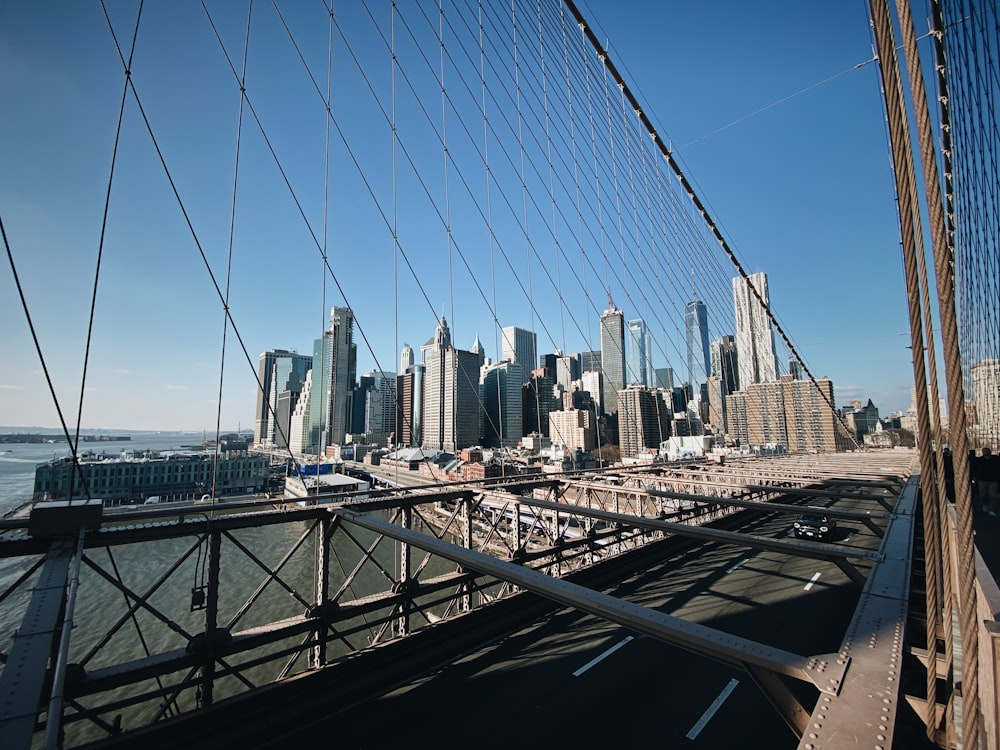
column 573, row 679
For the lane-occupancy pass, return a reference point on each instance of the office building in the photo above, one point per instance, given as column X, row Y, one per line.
column 380, row 407
column 567, row 371
column 593, row 383
column 754, row 335
column 612, row 356
column 640, row 352
column 792, row 413
column 406, row 358
column 644, row 418
column 537, row 400
column 451, row 413
column 986, row 396
column 664, row 378
column 410, row 406
column 716, row 416
column 359, row 405
column 696, row 329
column 279, row 372
column 725, row 363
column 574, row 429
column 590, row 361
column 502, row 424
column 520, row 346
column 333, row 377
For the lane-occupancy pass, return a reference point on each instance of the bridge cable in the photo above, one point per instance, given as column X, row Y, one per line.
column 77, row 469
column 668, row 155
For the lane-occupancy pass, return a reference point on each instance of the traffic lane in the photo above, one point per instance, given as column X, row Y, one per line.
column 649, row 684
column 522, row 691
column 644, row 692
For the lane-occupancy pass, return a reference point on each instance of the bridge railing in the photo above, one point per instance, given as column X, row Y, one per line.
column 179, row 608
column 988, row 605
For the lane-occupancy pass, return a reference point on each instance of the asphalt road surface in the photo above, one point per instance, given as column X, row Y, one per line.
column 573, row 680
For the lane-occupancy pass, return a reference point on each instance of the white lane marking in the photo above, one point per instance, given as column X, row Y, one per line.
column 812, row 581
column 741, row 562
column 710, row 711
column 597, row 659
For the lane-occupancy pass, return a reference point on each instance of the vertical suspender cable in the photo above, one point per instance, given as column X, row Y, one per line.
column 945, row 277
column 699, row 207
column 899, row 133
column 229, row 257
column 934, row 506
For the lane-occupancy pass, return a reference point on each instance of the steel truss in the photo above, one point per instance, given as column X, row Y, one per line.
column 194, row 607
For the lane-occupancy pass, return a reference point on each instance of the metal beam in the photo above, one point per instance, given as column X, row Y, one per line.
column 25, row 674
column 864, row 516
column 817, row 492
column 865, row 711
column 813, row 550
column 826, row 672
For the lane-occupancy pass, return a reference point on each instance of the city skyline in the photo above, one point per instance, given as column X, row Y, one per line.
column 134, row 384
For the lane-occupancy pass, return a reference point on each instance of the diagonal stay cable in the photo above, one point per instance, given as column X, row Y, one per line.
column 229, row 256
column 100, row 246
column 41, row 356
column 180, row 203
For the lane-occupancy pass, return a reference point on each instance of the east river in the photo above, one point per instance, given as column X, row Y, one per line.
column 100, row 606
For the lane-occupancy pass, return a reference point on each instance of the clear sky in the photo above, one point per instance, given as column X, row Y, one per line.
column 802, row 191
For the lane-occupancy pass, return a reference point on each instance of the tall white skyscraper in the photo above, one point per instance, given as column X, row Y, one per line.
column 405, row 358
column 754, row 335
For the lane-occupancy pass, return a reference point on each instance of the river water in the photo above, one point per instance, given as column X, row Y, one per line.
column 100, row 606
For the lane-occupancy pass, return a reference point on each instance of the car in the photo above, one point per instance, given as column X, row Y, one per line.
column 814, row 526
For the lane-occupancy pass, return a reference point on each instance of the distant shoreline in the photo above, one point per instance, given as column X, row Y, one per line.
column 35, row 437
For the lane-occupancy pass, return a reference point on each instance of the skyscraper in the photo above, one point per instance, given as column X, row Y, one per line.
column 696, row 326
column 644, row 420
column 380, row 406
column 520, row 346
column 537, row 400
column 279, row 371
column 334, row 369
column 451, row 394
column 410, row 406
column 792, row 413
column 725, row 365
column 640, row 370
column 590, row 361
column 502, row 411
column 405, row 358
column 567, row 370
column 612, row 356
column 754, row 336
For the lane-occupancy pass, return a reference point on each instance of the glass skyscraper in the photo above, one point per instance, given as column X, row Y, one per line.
column 699, row 362
column 640, row 354
column 279, row 371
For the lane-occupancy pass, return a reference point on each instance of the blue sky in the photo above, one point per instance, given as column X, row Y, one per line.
column 802, row 191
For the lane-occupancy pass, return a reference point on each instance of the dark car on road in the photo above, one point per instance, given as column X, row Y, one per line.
column 814, row 526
